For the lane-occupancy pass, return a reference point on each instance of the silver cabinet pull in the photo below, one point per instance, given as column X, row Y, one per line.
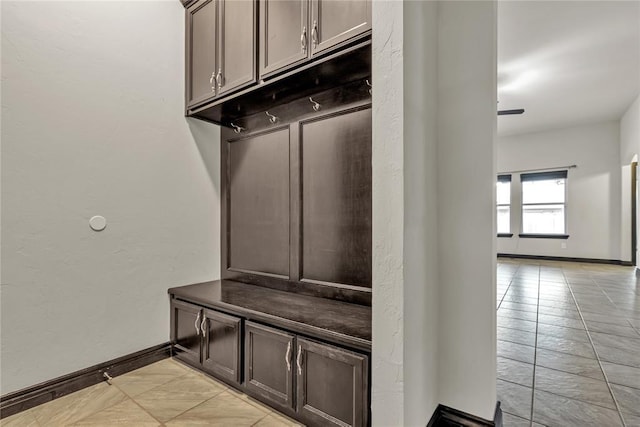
column 204, row 321
column 314, row 33
column 220, row 79
column 197, row 324
column 287, row 357
column 303, row 39
column 299, row 360
column 213, row 80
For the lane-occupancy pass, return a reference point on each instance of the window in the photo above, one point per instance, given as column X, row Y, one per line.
column 503, row 198
column 543, row 203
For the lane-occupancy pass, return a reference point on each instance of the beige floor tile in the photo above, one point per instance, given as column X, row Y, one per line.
column 149, row 377
column 126, row 413
column 222, row 410
column 21, row 419
column 177, row 396
column 277, row 420
column 74, row 407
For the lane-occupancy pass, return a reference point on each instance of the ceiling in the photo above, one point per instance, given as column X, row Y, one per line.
column 566, row 62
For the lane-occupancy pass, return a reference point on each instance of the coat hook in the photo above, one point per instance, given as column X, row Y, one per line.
column 369, row 84
column 236, row 128
column 273, row 119
column 316, row 106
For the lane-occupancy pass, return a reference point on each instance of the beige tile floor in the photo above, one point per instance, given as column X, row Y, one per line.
column 165, row 393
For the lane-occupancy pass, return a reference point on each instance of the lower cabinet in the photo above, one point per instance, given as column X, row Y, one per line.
column 207, row 339
column 330, row 383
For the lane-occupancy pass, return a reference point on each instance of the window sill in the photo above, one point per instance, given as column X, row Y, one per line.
column 505, row 234
column 544, row 236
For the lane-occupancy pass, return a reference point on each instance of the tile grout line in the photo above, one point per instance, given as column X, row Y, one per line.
column 535, row 353
column 508, row 287
column 606, row 379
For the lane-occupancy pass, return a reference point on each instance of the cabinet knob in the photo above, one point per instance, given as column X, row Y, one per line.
column 197, row 324
column 219, row 79
column 213, row 80
column 314, row 33
column 287, row 357
column 303, row 39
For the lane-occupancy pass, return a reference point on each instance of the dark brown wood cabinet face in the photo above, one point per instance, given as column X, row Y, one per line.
column 332, row 385
column 221, row 351
column 201, row 61
column 284, row 34
column 336, row 199
column 333, row 22
column 237, row 44
column 258, row 204
column 269, row 364
column 185, row 330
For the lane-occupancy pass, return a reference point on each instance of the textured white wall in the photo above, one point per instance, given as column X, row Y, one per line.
column 467, row 58
column 593, row 188
column 629, row 147
column 92, row 124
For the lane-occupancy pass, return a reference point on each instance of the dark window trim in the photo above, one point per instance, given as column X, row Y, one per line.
column 504, row 178
column 543, row 236
column 505, row 234
column 543, row 176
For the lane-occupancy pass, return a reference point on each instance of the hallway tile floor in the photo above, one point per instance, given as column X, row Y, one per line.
column 568, row 344
column 165, row 393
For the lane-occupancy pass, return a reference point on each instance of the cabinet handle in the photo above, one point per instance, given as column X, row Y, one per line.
column 220, row 79
column 213, row 80
column 204, row 331
column 314, row 33
column 299, row 360
column 303, row 39
column 287, row 357
column 197, row 324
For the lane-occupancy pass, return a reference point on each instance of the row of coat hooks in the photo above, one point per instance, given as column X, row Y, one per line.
column 316, row 106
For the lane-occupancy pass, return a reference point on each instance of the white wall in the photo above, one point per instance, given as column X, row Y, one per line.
column 432, row 63
column 629, row 147
column 92, row 124
column 593, row 188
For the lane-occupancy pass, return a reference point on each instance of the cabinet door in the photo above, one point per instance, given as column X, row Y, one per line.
column 334, row 22
column 201, row 51
column 284, row 34
column 237, row 42
column 221, row 349
column 185, row 330
column 332, row 385
column 269, row 363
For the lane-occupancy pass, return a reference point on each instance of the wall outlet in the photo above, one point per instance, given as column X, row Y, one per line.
column 563, row 245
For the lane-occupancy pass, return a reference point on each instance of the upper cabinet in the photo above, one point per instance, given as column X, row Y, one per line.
column 334, row 22
column 294, row 30
column 220, row 48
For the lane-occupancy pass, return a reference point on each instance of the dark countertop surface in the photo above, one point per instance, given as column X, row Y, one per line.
column 334, row 321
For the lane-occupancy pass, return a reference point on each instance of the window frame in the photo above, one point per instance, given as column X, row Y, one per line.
column 544, row 176
column 504, row 178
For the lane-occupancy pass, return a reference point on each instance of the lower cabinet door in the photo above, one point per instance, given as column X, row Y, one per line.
column 269, row 364
column 332, row 385
column 221, row 349
column 185, row 331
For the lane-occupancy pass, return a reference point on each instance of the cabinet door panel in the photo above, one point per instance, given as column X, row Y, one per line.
column 201, row 51
column 237, row 44
column 268, row 363
column 336, row 199
column 185, row 330
column 332, row 385
column 221, row 350
column 258, row 204
column 282, row 25
column 334, row 22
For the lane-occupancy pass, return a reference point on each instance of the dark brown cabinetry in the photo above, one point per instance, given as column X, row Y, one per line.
column 207, row 339
column 330, row 382
column 220, row 48
column 269, row 364
column 294, row 30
